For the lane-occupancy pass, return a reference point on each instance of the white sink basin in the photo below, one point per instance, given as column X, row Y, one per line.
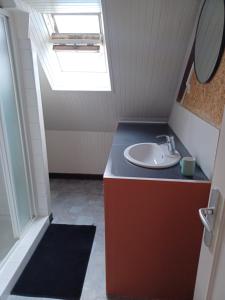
column 151, row 155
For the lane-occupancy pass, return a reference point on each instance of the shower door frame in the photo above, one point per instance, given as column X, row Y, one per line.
column 8, row 187
column 4, row 147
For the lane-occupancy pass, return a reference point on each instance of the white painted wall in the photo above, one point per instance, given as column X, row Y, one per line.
column 82, row 151
column 199, row 137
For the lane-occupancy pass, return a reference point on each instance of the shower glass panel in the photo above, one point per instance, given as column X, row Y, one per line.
column 11, row 127
column 7, row 237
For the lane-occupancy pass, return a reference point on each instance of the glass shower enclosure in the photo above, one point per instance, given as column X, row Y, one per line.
column 15, row 194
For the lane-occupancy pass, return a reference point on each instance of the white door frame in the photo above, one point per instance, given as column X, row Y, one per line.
column 208, row 261
column 15, row 59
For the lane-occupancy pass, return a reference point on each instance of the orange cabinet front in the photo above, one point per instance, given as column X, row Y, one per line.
column 153, row 237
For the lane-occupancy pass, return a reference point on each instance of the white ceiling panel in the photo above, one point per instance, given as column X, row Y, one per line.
column 62, row 6
column 147, row 42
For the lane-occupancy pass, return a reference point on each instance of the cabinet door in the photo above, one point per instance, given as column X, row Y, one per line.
column 153, row 237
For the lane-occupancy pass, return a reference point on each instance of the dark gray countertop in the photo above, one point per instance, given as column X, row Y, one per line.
column 132, row 133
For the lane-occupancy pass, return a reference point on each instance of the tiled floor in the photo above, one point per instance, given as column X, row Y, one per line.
column 81, row 202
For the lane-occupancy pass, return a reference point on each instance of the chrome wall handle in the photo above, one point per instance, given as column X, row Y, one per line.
column 203, row 213
column 208, row 216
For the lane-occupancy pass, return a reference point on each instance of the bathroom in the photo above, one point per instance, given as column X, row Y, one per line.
column 71, row 104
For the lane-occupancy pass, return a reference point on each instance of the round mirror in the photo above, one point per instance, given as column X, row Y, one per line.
column 209, row 40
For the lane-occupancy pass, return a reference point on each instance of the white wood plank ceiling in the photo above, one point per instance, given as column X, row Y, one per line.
column 147, row 45
column 61, row 6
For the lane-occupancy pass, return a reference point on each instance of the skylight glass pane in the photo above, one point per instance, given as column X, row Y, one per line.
column 72, row 61
column 77, row 23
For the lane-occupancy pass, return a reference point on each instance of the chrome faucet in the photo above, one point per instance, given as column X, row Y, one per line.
column 170, row 142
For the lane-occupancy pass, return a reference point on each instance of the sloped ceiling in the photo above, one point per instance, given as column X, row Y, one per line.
column 147, row 42
column 60, row 6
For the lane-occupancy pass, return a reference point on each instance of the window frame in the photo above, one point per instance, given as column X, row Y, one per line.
column 76, row 41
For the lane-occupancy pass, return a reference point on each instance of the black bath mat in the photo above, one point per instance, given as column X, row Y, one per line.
column 58, row 266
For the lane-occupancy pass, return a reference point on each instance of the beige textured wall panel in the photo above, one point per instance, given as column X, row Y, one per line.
column 207, row 100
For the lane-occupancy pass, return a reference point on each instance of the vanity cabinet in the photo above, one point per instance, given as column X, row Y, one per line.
column 153, row 237
column 153, row 232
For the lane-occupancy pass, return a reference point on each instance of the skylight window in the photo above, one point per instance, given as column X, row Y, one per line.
column 79, row 46
column 82, row 61
column 77, row 23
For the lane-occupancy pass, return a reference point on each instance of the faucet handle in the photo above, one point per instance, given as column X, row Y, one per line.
column 170, row 142
column 164, row 136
